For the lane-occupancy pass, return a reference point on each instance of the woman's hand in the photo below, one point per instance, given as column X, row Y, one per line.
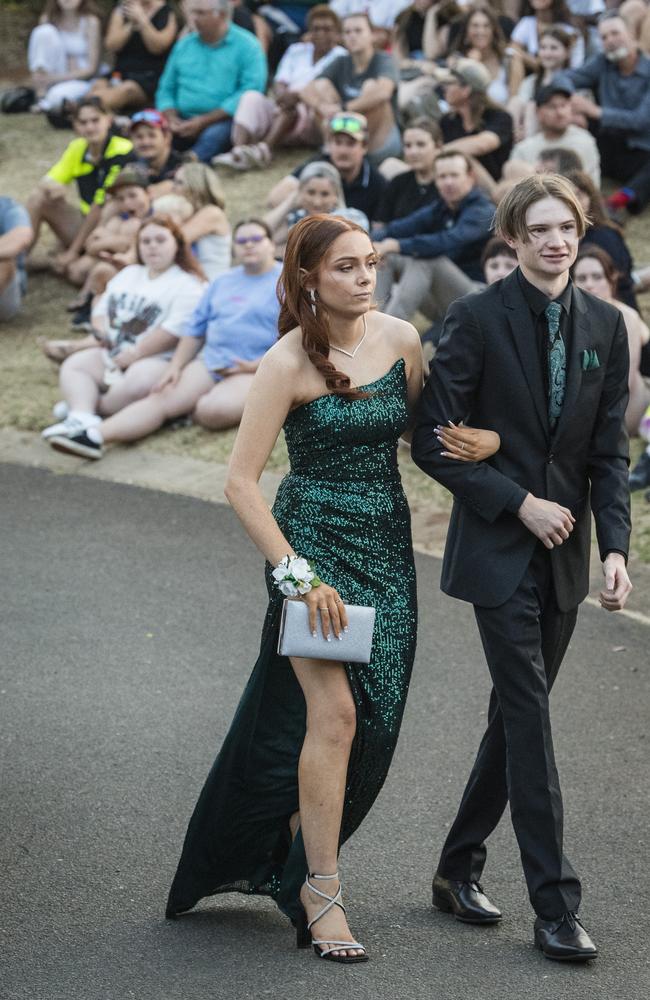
column 168, row 378
column 326, row 601
column 467, row 444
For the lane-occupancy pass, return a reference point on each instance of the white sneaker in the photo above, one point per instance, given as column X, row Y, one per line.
column 73, row 424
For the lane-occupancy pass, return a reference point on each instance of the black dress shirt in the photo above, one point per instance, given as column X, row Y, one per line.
column 537, row 303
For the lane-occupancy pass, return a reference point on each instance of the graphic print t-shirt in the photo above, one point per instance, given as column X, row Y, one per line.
column 135, row 303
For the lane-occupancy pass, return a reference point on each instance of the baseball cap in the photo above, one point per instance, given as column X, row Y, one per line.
column 152, row 117
column 130, row 176
column 545, row 94
column 350, row 123
column 470, row 73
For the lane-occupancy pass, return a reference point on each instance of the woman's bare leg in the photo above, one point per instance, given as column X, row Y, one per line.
column 322, row 772
column 147, row 415
column 136, row 383
column 223, row 406
column 63, row 218
column 80, row 379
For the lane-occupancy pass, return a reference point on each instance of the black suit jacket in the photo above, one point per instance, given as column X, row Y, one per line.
column 487, row 372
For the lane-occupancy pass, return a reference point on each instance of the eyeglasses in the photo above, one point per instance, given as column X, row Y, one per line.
column 346, row 123
column 241, row 240
column 150, row 116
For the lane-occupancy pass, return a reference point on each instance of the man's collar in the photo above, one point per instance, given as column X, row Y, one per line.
column 538, row 300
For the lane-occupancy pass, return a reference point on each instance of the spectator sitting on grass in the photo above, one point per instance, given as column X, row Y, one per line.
column 140, row 34
column 233, row 326
column 554, row 55
column 497, row 260
column 93, row 160
column 319, row 191
column 413, row 186
column 346, row 148
column 136, row 322
column 207, row 231
column 64, row 52
column 152, row 145
column 262, row 123
column 206, row 74
column 364, row 81
column 16, row 235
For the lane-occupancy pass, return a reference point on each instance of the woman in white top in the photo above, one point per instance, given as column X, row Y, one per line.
column 136, row 324
column 64, row 52
column 540, row 14
column 207, row 231
column 481, row 38
column 594, row 271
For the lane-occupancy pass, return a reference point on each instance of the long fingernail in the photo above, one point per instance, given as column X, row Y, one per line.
column 346, row 629
column 339, row 636
column 314, row 635
column 329, row 638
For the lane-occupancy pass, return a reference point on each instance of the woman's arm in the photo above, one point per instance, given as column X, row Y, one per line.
column 155, row 341
column 276, row 218
column 270, row 399
column 208, row 219
column 476, row 145
column 118, row 31
column 156, row 40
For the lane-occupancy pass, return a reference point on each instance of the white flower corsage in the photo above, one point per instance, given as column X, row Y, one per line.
column 295, row 576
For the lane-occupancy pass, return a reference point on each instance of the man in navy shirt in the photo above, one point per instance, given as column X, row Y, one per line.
column 433, row 256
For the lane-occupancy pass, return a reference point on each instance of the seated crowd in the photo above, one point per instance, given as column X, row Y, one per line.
column 415, row 119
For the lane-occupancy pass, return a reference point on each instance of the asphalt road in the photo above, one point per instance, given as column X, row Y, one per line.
column 130, row 621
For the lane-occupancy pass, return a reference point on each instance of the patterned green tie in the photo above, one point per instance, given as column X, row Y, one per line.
column 556, row 363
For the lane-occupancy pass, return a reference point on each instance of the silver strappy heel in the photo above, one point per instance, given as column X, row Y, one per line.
column 326, row 948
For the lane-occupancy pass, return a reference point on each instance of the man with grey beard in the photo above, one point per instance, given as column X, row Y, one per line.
column 619, row 78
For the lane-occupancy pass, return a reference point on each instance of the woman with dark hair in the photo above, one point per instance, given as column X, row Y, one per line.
column 218, row 348
column 64, row 52
column 594, row 271
column 414, row 186
column 553, row 56
column 481, row 37
column 140, row 34
column 606, row 234
column 136, row 323
column 537, row 15
column 312, row 739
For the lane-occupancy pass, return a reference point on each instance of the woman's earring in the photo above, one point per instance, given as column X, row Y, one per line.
column 312, row 296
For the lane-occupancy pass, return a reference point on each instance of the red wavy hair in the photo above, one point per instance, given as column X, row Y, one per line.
column 308, row 243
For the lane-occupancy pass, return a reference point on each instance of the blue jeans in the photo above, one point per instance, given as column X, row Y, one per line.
column 213, row 140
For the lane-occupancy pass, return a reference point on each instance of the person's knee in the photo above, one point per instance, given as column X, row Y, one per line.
column 213, row 416
column 336, row 724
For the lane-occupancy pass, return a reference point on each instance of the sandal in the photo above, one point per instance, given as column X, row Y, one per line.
column 326, row 948
column 257, row 155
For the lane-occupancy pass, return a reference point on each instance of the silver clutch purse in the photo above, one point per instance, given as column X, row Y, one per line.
column 354, row 646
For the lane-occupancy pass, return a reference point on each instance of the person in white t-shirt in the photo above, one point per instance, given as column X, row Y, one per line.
column 136, row 324
column 540, row 14
column 262, row 123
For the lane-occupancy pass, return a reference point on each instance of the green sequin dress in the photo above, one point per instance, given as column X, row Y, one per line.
column 343, row 507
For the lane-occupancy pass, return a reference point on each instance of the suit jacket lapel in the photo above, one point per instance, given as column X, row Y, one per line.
column 519, row 318
column 582, row 336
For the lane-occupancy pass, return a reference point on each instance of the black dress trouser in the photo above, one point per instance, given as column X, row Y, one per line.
column 524, row 640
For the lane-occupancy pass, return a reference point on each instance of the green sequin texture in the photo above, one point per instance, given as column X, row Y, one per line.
column 341, row 506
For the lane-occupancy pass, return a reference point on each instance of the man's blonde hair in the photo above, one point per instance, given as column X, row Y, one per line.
column 510, row 218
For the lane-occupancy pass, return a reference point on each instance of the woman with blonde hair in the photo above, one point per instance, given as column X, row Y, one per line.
column 207, row 230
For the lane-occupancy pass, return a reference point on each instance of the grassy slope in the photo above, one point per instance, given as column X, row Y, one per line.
column 28, row 383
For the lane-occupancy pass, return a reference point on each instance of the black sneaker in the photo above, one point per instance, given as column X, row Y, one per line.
column 77, row 444
column 81, row 319
column 640, row 474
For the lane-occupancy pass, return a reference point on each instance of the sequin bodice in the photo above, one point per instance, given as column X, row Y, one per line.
column 338, row 440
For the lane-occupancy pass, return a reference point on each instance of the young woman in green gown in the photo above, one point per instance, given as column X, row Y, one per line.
column 312, row 740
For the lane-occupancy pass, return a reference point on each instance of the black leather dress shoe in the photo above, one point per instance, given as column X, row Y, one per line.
column 466, row 900
column 564, row 939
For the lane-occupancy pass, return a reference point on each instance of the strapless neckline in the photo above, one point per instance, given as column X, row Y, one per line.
column 367, row 385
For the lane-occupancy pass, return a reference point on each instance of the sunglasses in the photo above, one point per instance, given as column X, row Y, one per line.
column 241, row 240
column 345, row 123
column 150, row 117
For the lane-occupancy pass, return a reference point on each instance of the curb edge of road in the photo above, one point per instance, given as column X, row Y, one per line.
column 147, row 468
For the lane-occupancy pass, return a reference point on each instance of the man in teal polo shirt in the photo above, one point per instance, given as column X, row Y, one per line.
column 205, row 76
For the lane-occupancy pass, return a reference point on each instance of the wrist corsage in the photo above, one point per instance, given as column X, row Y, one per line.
column 294, row 576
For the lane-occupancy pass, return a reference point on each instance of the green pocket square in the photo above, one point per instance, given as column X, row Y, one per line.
column 590, row 361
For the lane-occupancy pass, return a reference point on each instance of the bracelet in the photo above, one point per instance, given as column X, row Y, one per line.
column 295, row 576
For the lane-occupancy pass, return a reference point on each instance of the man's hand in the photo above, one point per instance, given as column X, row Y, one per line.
column 547, row 520
column 585, row 106
column 389, row 245
column 238, row 367
column 188, row 128
column 617, row 583
column 63, row 260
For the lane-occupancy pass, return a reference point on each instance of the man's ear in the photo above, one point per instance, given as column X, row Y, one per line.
column 512, row 243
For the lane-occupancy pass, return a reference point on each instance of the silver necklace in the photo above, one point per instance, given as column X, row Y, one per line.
column 352, row 354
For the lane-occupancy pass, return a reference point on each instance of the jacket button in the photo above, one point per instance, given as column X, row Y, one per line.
column 550, row 457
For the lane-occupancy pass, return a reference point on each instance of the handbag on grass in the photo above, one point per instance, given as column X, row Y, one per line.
column 354, row 646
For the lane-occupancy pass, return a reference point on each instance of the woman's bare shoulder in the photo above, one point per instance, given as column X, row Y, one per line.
column 287, row 356
column 402, row 335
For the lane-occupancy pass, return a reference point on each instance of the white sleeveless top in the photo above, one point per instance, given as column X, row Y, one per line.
column 213, row 254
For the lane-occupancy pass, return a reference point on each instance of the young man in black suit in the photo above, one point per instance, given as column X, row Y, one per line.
column 546, row 366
